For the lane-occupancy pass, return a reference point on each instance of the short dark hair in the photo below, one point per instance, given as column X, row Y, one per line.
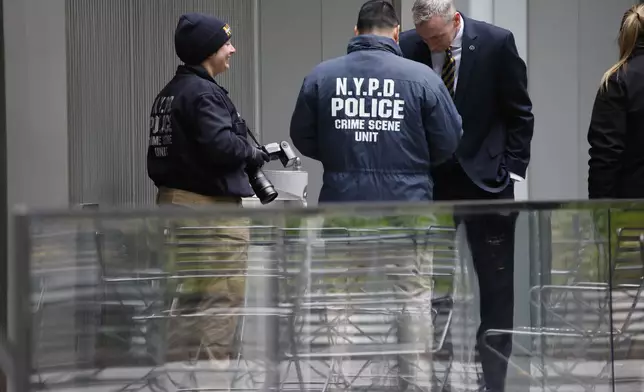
column 377, row 14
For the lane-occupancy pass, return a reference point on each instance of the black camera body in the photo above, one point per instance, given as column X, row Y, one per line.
column 263, row 188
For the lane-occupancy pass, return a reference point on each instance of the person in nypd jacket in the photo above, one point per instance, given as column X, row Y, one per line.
column 376, row 121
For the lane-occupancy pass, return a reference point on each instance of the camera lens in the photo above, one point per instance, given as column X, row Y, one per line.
column 263, row 188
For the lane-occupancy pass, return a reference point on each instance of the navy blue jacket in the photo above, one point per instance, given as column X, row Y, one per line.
column 377, row 122
column 197, row 138
column 492, row 99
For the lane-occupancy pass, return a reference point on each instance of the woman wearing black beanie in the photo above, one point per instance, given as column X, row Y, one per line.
column 198, row 156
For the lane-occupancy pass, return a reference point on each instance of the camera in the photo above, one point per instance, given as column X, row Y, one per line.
column 263, row 188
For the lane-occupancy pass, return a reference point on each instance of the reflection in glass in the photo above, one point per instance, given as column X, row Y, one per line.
column 343, row 298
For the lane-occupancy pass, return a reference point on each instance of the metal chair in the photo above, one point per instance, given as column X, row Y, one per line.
column 362, row 314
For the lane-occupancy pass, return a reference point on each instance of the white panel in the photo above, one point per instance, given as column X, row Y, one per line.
column 290, row 48
column 337, row 27
column 513, row 15
column 36, row 123
column 36, row 105
column 463, row 6
column 482, row 10
column 406, row 18
column 567, row 57
column 553, row 64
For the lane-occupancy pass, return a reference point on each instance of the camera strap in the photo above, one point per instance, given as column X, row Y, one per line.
column 252, row 136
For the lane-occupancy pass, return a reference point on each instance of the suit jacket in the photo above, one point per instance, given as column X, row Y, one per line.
column 615, row 134
column 492, row 99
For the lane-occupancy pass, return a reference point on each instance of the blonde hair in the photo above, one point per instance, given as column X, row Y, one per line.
column 631, row 33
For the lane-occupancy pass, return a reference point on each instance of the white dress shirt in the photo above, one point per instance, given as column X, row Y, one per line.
column 438, row 60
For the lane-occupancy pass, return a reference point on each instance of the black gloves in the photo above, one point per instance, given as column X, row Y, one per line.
column 258, row 157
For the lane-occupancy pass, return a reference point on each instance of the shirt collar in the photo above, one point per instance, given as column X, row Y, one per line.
column 373, row 42
column 458, row 40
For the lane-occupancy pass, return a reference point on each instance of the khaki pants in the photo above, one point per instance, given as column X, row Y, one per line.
column 205, row 247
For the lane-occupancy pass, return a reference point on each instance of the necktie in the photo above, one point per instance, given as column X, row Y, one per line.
column 449, row 72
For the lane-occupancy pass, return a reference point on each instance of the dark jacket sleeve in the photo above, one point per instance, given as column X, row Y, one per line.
column 304, row 121
column 442, row 124
column 215, row 134
column 516, row 106
column 606, row 136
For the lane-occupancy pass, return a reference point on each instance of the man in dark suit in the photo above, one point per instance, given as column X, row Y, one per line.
column 481, row 68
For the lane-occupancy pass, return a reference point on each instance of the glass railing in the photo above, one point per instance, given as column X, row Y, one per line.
column 372, row 298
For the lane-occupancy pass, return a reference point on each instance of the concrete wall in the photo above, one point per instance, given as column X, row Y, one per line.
column 36, row 118
column 567, row 57
column 3, row 190
column 36, row 103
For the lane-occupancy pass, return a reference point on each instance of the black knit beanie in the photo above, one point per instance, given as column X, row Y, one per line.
column 198, row 36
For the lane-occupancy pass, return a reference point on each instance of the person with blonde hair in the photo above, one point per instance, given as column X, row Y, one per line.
column 616, row 132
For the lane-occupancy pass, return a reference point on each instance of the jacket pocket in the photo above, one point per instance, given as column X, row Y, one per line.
column 495, row 142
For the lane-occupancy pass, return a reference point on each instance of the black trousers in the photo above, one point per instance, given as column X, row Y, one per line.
column 490, row 237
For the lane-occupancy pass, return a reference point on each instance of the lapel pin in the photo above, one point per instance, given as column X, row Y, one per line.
column 472, row 47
